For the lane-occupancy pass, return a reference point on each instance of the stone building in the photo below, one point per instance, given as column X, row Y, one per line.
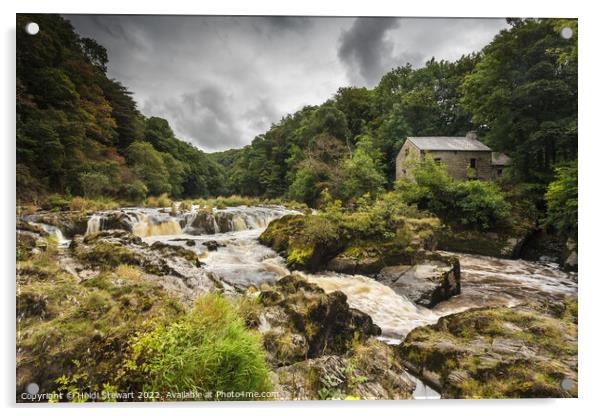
column 464, row 157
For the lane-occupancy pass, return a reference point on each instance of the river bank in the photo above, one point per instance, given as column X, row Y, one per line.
column 198, row 251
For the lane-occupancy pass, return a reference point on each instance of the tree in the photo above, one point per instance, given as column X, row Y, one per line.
column 362, row 173
column 561, row 200
column 147, row 163
column 475, row 205
column 357, row 105
column 523, row 94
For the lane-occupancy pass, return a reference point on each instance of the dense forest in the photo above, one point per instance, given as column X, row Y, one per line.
column 148, row 270
column 80, row 133
column 518, row 93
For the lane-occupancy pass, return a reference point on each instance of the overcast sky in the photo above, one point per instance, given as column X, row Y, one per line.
column 221, row 80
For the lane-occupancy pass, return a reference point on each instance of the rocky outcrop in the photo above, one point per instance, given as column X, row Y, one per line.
column 287, row 237
column 320, row 348
column 368, row 259
column 69, row 222
column 303, row 241
column 176, row 268
column 528, row 351
column 435, row 279
column 495, row 244
column 370, row 372
column 301, row 320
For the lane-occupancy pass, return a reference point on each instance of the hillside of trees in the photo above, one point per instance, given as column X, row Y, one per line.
column 519, row 93
column 81, row 133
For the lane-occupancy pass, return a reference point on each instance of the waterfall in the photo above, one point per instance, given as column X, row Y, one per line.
column 147, row 222
column 147, row 226
column 94, row 224
column 56, row 233
column 396, row 315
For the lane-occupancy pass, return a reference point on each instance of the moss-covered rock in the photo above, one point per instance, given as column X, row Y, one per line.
column 301, row 320
column 370, row 371
column 314, row 242
column 174, row 267
column 70, row 223
column 307, row 242
column 72, row 332
column 434, row 279
column 529, row 351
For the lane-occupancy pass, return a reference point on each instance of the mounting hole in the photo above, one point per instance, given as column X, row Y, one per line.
column 566, row 32
column 32, row 28
column 566, row 384
column 32, row 388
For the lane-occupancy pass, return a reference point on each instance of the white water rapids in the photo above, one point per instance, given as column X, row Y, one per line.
column 241, row 260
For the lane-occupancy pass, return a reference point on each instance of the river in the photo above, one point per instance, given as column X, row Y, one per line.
column 240, row 260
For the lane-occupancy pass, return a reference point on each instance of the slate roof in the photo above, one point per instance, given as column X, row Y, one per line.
column 449, row 143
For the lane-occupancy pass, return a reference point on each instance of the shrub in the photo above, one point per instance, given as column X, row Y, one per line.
column 55, row 202
column 472, row 204
column 561, row 200
column 94, row 184
column 134, row 192
column 100, row 204
column 161, row 201
column 185, row 206
column 208, row 350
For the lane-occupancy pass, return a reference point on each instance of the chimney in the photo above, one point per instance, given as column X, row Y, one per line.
column 472, row 135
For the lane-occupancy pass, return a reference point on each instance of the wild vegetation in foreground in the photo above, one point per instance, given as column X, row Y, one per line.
column 119, row 332
column 113, row 314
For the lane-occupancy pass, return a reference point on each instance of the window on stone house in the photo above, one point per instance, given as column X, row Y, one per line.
column 473, row 163
column 437, row 160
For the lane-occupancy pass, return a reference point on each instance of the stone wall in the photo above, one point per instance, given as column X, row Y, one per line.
column 456, row 162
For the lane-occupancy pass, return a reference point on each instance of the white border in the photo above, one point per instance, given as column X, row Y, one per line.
column 590, row 148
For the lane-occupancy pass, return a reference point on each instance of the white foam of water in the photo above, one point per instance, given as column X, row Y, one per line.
column 148, row 225
column 94, row 223
column 57, row 233
column 422, row 391
column 394, row 314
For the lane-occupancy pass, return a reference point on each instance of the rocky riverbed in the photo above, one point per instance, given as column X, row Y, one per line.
column 327, row 333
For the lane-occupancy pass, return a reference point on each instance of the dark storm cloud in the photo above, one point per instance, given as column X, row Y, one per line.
column 373, row 46
column 222, row 80
column 365, row 50
column 204, row 115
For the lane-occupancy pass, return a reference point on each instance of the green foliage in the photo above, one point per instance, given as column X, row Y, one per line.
column 81, row 328
column 208, row 350
column 161, row 201
column 94, row 184
column 472, row 204
column 362, row 173
column 134, row 192
column 303, row 188
column 523, row 94
column 561, row 199
column 147, row 163
column 74, row 126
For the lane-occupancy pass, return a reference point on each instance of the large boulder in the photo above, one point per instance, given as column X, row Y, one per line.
column 176, row 268
column 528, row 351
column 435, row 279
column 368, row 258
column 301, row 321
column 70, row 223
column 315, row 243
column 287, row 236
column 369, row 372
column 496, row 244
